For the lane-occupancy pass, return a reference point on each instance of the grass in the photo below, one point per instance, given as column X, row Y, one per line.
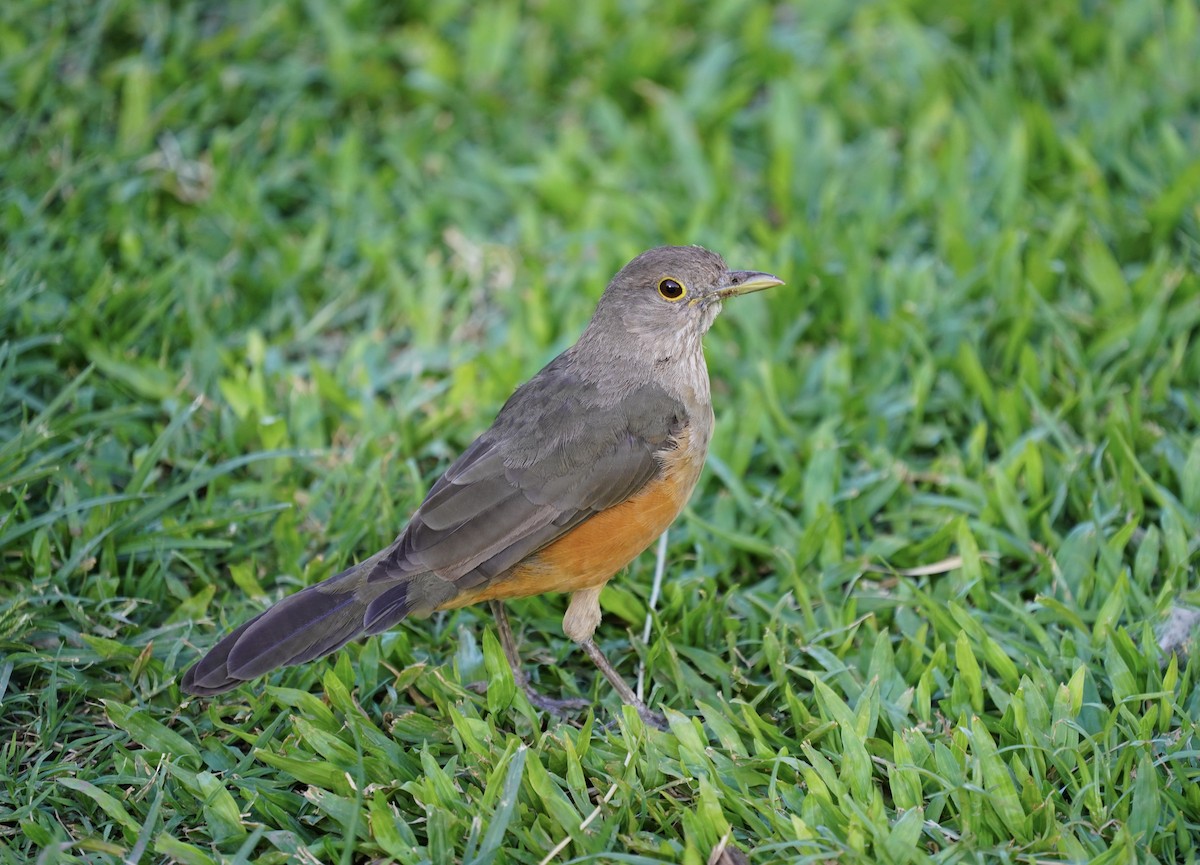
column 268, row 267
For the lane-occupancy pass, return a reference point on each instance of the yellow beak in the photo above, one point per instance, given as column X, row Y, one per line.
column 745, row 282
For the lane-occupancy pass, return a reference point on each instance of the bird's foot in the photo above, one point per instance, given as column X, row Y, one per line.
column 558, row 706
column 654, row 719
column 649, row 717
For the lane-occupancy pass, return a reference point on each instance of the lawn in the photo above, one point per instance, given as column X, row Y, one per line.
column 267, row 268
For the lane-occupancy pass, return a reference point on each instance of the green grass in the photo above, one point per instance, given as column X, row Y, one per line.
column 265, row 271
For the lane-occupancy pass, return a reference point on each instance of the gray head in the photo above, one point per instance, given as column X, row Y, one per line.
column 667, row 298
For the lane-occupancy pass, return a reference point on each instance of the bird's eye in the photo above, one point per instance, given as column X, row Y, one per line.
column 671, row 289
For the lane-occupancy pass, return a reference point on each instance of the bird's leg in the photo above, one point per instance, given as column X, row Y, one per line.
column 651, row 717
column 583, row 615
column 536, row 699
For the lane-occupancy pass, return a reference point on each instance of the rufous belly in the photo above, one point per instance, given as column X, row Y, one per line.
column 590, row 554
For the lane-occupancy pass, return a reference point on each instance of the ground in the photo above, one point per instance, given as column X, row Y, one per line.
column 266, row 268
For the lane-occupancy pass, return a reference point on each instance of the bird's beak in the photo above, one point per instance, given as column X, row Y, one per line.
column 744, row 282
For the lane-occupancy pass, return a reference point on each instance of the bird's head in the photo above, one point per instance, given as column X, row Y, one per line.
column 673, row 293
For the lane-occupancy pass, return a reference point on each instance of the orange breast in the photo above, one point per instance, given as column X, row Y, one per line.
column 590, row 554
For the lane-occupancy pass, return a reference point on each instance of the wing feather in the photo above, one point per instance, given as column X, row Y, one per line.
column 559, row 452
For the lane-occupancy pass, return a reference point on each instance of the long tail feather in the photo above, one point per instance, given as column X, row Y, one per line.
column 311, row 623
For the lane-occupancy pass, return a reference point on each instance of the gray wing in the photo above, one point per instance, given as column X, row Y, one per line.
column 557, row 453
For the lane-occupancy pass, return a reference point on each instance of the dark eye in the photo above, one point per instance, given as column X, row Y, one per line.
column 671, row 289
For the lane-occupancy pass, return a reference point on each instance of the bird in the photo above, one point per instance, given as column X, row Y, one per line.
column 584, row 466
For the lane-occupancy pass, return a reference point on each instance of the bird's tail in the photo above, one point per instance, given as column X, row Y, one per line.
column 313, row 622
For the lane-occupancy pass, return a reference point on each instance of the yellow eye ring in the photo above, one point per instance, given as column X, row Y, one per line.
column 671, row 289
